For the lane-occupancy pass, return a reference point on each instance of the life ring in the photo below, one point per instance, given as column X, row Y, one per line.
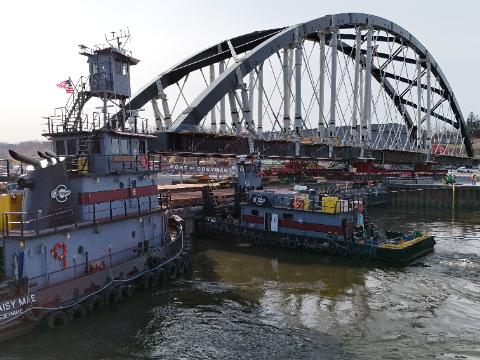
column 59, row 252
column 297, row 203
column 144, row 161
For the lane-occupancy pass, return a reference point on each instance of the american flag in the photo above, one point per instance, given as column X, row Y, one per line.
column 67, row 85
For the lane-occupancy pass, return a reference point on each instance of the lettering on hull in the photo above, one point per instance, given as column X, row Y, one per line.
column 14, row 307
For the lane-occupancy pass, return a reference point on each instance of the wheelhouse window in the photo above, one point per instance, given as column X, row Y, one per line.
column 124, row 69
column 115, row 148
column 124, row 147
column 135, row 147
column 143, row 147
column 60, row 147
column 254, row 212
column 118, row 67
column 96, row 146
column 72, row 146
column 287, row 216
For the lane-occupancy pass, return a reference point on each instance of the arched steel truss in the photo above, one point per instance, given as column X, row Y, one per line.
column 259, row 46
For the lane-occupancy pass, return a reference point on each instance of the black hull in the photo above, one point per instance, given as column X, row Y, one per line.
column 222, row 229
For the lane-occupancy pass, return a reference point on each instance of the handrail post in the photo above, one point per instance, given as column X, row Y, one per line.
column 5, row 229
column 94, row 213
column 111, row 212
column 38, row 220
column 138, row 204
column 125, row 207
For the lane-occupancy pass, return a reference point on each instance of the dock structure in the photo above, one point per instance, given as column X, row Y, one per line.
column 461, row 197
column 188, row 202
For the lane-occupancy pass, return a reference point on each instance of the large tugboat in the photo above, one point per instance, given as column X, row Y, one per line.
column 305, row 219
column 88, row 221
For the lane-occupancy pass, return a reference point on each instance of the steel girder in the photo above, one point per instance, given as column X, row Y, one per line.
column 264, row 44
column 208, row 56
column 213, row 145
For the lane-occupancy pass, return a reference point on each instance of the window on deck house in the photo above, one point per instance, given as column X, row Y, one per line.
column 143, row 147
column 134, row 147
column 72, row 146
column 124, row 147
column 115, row 149
column 60, row 147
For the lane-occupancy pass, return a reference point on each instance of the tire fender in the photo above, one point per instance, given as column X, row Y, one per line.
column 180, row 265
column 77, row 309
column 112, row 295
column 172, row 270
column 95, row 302
column 55, row 317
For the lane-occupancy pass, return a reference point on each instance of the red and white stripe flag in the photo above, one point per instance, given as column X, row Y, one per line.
column 67, row 85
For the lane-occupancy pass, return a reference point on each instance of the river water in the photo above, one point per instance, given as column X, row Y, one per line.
column 242, row 302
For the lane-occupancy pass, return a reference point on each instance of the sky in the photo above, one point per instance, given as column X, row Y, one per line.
column 40, row 41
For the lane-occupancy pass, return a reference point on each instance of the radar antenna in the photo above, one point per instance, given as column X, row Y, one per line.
column 119, row 38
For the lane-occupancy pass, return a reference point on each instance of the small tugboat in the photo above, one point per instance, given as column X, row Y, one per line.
column 304, row 219
column 88, row 223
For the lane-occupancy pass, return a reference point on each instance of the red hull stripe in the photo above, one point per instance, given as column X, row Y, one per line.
column 291, row 224
column 114, row 195
column 253, row 219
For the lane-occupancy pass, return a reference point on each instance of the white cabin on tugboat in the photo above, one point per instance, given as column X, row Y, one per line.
column 88, row 220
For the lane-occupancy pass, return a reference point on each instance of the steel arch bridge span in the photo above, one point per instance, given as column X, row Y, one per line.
column 408, row 80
